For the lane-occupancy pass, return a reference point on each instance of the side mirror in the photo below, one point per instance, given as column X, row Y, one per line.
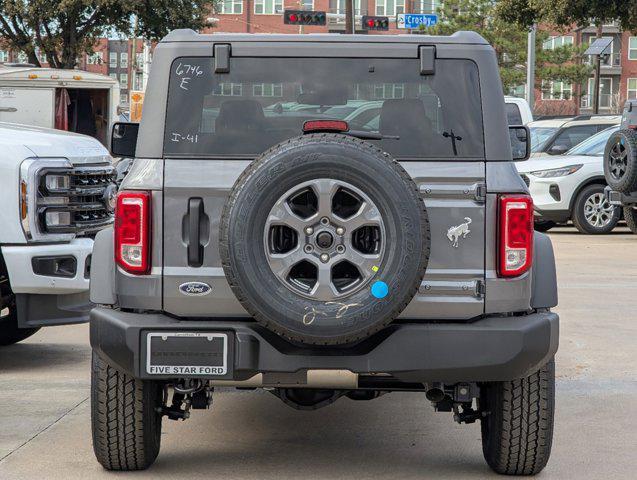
column 124, row 139
column 520, row 142
column 558, row 150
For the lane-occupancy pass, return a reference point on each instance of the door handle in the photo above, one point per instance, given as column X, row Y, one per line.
column 195, row 248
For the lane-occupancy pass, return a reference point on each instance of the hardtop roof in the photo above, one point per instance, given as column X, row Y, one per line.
column 188, row 35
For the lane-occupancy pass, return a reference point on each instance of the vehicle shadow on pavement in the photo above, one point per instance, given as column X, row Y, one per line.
column 254, row 435
column 41, row 356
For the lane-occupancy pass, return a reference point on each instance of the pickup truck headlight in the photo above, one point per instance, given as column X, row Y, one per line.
column 59, row 201
column 557, row 172
column 38, row 179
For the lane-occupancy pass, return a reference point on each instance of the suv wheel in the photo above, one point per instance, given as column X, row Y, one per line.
column 125, row 418
column 592, row 213
column 517, row 432
column 620, row 161
column 630, row 215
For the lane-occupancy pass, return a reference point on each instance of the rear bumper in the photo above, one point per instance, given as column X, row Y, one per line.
column 490, row 349
column 620, row 199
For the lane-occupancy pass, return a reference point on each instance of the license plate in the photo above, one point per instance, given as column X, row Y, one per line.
column 186, row 353
column 615, row 198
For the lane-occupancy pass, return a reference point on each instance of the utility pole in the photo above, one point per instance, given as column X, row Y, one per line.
column 597, row 73
column 349, row 17
column 530, row 68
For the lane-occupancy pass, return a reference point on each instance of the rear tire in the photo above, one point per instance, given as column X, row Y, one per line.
column 517, row 433
column 125, row 420
column 630, row 215
column 620, row 161
column 584, row 217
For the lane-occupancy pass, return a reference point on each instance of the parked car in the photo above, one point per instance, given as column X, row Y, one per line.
column 557, row 136
column 320, row 261
column 518, row 111
column 620, row 165
column 571, row 187
column 56, row 192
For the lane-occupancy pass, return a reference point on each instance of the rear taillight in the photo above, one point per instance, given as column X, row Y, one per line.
column 132, row 232
column 515, row 235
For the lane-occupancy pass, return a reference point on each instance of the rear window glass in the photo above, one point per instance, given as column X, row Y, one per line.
column 264, row 101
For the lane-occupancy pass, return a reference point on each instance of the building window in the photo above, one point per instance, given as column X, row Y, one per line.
column 113, row 76
column 22, row 57
column 388, row 91
column 139, row 60
column 631, row 93
column 123, row 99
column 123, row 60
column 632, row 48
column 112, row 59
column 95, row 58
column 232, row 6
column 228, row 89
column 123, row 80
column 4, row 56
column 339, row 6
column 556, row 90
column 268, row 7
column 139, row 80
column 605, row 92
column 430, row 6
column 390, row 8
column 267, row 90
column 556, row 42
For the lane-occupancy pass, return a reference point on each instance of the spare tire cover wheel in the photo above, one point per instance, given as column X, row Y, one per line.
column 324, row 239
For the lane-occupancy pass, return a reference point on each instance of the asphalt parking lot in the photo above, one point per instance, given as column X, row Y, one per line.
column 45, row 408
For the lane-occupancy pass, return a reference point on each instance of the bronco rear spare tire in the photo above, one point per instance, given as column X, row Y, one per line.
column 324, row 239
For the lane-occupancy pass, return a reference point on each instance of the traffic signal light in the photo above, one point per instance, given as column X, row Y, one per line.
column 375, row 23
column 304, row 17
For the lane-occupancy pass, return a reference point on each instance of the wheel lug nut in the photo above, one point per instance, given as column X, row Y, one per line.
column 309, row 230
column 325, row 257
column 340, row 248
column 340, row 231
column 325, row 221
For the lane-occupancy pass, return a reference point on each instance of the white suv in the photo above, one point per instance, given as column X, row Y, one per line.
column 571, row 187
column 557, row 136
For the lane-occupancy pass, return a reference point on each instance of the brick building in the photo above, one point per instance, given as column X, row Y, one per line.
column 265, row 16
column 618, row 76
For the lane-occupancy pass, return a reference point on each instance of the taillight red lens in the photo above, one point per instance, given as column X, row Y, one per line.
column 132, row 232
column 515, row 236
column 325, row 126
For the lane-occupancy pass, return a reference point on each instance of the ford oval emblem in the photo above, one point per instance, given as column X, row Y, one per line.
column 195, row 289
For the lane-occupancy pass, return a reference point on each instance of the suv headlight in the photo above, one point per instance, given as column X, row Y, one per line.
column 44, row 184
column 557, row 172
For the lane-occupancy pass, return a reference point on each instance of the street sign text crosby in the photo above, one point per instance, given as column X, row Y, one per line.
column 414, row 20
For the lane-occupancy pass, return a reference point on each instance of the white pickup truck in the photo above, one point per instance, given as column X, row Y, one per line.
column 57, row 191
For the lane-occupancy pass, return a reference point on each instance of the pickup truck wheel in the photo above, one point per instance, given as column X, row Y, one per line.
column 592, row 212
column 125, row 418
column 9, row 331
column 620, row 161
column 517, row 432
column 630, row 215
column 324, row 239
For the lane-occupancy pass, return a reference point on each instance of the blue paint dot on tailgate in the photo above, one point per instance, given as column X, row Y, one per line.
column 380, row 289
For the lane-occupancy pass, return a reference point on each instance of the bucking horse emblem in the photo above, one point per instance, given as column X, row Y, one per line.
column 462, row 230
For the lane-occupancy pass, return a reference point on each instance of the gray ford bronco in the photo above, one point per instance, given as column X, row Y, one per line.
column 324, row 216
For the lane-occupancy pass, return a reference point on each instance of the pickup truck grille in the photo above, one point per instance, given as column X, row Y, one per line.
column 83, row 205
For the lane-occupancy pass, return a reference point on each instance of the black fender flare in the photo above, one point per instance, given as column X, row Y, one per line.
column 543, row 276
